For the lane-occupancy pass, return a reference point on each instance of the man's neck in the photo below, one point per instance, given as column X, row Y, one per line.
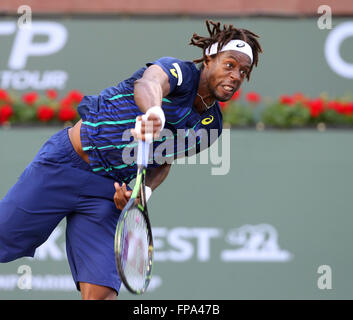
column 204, row 99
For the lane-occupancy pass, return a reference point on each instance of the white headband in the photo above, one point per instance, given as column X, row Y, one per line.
column 237, row 45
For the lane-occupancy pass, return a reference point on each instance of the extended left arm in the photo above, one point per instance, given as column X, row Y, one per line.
column 155, row 176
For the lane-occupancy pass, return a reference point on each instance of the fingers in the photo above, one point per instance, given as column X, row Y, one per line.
column 151, row 125
column 121, row 196
column 127, row 193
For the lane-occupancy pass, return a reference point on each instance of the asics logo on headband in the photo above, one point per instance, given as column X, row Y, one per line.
column 237, row 45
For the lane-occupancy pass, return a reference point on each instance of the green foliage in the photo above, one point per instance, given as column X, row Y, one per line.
column 334, row 118
column 242, row 111
column 238, row 115
column 284, row 116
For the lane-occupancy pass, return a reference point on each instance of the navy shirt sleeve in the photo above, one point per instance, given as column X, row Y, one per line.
column 181, row 74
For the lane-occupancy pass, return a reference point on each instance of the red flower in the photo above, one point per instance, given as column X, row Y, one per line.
column 4, row 96
column 236, row 95
column 66, row 103
column 349, row 109
column 288, row 100
column 337, row 106
column 299, row 97
column 6, row 112
column 316, row 107
column 340, row 108
column 45, row 113
column 345, row 108
column 51, row 94
column 75, row 96
column 30, row 97
column 67, row 114
column 253, row 97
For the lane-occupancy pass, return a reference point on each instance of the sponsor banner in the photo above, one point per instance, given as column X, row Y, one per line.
column 312, row 57
column 248, row 243
column 19, row 75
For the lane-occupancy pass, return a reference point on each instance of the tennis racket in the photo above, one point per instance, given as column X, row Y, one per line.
column 133, row 236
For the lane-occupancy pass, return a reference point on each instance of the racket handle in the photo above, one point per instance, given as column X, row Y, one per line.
column 143, row 150
column 148, row 136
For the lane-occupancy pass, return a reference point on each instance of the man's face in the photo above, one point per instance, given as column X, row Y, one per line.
column 225, row 73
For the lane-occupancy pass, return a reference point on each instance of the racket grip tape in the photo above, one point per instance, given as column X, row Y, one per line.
column 143, row 150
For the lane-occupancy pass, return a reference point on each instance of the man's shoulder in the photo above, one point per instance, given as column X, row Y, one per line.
column 172, row 60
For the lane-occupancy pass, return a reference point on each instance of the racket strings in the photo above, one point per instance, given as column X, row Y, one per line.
column 135, row 249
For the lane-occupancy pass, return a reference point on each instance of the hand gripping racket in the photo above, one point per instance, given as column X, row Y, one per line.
column 133, row 236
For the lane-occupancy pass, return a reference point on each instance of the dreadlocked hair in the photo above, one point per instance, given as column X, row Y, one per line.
column 223, row 36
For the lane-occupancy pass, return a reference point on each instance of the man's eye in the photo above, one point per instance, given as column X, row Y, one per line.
column 230, row 65
column 244, row 72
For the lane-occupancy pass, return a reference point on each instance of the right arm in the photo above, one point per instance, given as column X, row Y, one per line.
column 151, row 88
column 149, row 92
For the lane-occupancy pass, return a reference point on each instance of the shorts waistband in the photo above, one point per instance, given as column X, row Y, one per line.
column 71, row 153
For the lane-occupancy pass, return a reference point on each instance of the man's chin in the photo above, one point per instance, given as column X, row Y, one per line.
column 223, row 98
column 222, row 95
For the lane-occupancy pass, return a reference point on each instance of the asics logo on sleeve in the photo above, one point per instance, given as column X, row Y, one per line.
column 177, row 73
column 173, row 72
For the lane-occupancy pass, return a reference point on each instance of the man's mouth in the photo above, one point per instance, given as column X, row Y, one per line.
column 228, row 88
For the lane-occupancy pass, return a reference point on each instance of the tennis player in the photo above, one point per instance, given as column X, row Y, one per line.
column 80, row 173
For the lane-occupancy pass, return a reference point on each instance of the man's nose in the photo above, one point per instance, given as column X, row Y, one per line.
column 235, row 75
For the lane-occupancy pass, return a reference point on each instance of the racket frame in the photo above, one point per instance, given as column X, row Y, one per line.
column 139, row 188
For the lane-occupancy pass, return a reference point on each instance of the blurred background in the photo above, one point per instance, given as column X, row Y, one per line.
column 278, row 224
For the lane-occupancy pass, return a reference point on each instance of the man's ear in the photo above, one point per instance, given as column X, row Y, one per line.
column 206, row 61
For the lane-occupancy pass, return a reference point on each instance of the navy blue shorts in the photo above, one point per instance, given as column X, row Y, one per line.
column 55, row 185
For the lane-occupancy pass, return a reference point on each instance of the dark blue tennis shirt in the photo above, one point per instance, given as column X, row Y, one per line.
column 108, row 118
